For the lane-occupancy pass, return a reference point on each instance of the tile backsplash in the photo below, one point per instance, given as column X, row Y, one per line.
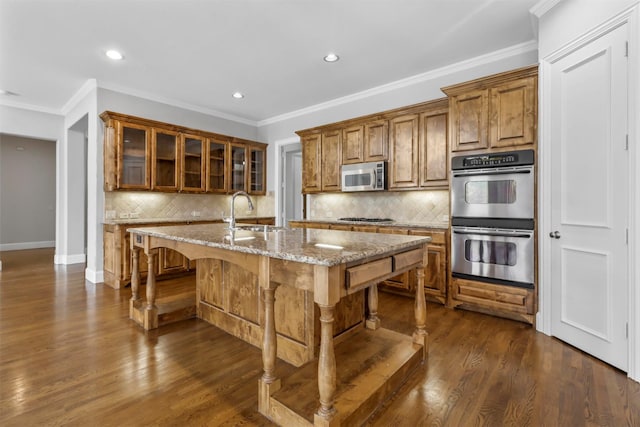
column 150, row 205
column 406, row 206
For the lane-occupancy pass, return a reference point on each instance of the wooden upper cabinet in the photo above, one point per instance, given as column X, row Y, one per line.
column 257, row 170
column 434, row 163
column 469, row 119
column 143, row 154
column 403, row 151
column 353, row 145
column 193, row 163
column 217, row 170
column 133, row 147
column 165, row 160
column 238, row 165
column 513, row 113
column 331, row 160
column 494, row 113
column 376, row 141
column 311, row 159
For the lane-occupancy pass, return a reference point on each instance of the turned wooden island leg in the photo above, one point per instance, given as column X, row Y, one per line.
column 150, row 310
column 420, row 335
column 134, row 302
column 269, row 383
column 373, row 321
column 326, row 368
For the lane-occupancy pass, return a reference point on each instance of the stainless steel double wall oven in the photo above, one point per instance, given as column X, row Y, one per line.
column 492, row 210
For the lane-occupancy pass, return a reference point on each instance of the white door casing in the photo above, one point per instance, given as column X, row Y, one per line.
column 589, row 189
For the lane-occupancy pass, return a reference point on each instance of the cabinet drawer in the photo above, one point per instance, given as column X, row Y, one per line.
column 407, row 259
column 497, row 297
column 362, row 274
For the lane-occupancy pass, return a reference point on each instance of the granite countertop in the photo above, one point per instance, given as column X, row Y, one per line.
column 310, row 246
column 191, row 220
column 401, row 223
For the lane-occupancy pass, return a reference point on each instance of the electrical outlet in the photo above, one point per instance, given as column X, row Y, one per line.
column 134, row 215
column 110, row 215
column 195, row 214
column 444, row 217
column 124, row 215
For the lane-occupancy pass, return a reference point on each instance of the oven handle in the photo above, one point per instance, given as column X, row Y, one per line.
column 492, row 233
column 488, row 173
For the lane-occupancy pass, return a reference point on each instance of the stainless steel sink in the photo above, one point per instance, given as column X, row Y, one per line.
column 256, row 227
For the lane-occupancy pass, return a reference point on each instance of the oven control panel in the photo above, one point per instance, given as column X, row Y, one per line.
column 493, row 160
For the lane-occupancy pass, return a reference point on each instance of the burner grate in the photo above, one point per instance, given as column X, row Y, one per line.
column 361, row 219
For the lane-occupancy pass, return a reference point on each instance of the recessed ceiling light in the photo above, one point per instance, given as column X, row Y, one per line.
column 238, row 95
column 114, row 54
column 332, row 57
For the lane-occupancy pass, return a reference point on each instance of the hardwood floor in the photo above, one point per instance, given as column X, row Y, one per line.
column 70, row 356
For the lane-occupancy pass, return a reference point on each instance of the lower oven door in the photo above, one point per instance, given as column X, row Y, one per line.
column 503, row 256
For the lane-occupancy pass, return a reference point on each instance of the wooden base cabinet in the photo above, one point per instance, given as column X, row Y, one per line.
column 499, row 300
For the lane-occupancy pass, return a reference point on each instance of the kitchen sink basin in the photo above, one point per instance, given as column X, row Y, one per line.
column 255, row 227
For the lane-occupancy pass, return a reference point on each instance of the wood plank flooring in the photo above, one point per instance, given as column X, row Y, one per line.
column 69, row 356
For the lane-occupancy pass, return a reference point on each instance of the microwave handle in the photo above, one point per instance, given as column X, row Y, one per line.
column 492, row 233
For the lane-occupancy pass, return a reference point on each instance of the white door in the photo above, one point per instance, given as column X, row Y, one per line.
column 589, row 206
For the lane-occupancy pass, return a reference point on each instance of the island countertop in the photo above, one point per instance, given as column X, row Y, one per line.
column 310, row 246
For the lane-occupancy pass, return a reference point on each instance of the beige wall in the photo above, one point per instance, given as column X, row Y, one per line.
column 27, row 192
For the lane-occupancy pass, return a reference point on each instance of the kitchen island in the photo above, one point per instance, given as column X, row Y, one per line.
column 341, row 381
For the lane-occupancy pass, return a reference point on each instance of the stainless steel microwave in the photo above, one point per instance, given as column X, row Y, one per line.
column 371, row 176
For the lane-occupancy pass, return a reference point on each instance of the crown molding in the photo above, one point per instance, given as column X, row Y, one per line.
column 85, row 89
column 176, row 103
column 542, row 7
column 419, row 78
column 30, row 107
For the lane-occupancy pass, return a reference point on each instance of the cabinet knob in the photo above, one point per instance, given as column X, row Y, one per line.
column 554, row 234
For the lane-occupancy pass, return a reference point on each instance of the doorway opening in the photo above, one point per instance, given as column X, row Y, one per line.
column 291, row 200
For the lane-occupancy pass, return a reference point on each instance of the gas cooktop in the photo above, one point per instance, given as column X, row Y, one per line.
column 360, row 219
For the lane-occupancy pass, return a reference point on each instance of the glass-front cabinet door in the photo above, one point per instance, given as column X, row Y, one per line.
column 133, row 165
column 217, row 166
column 238, row 167
column 193, row 163
column 257, row 170
column 165, row 147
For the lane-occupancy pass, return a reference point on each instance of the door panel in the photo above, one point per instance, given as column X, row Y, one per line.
column 589, row 192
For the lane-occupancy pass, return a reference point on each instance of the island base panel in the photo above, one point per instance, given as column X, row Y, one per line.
column 370, row 366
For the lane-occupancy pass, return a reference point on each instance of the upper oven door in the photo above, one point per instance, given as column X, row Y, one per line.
column 493, row 193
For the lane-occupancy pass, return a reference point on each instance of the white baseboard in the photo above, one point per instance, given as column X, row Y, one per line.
column 94, row 276
column 26, row 245
column 69, row 259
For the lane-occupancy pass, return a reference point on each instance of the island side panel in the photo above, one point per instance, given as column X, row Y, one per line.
column 230, row 298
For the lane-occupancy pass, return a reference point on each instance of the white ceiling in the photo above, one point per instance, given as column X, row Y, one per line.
column 196, row 53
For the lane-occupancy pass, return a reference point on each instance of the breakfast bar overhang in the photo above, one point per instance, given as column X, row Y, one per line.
column 354, row 374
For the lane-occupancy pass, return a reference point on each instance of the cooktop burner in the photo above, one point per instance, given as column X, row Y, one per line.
column 366, row 219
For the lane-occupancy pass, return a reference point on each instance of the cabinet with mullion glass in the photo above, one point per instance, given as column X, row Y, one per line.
column 238, row 166
column 217, row 181
column 193, row 163
column 133, row 170
column 257, row 170
column 166, row 160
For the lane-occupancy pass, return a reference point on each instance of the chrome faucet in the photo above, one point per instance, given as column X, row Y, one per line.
column 232, row 220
